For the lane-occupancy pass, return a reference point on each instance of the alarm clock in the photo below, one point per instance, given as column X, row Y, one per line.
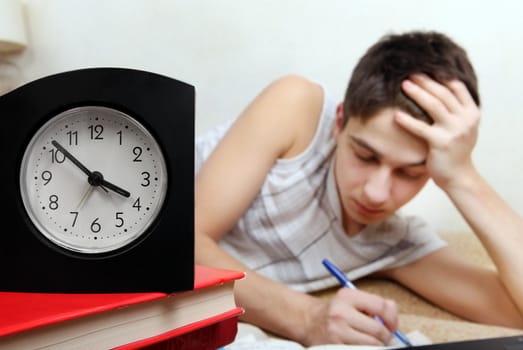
column 65, row 173
column 99, row 183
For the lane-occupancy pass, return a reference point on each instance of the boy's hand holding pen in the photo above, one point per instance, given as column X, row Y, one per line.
column 345, row 282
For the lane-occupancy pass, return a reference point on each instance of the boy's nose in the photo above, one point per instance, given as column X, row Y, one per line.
column 377, row 188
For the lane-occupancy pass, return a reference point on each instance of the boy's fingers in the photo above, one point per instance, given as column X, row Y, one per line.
column 429, row 103
column 459, row 89
column 441, row 92
column 367, row 306
column 414, row 126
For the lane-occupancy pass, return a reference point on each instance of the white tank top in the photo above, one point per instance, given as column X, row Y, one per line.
column 295, row 220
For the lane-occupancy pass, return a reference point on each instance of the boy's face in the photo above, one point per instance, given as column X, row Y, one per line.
column 378, row 168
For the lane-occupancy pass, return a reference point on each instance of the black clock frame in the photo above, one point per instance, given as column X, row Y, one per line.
column 163, row 260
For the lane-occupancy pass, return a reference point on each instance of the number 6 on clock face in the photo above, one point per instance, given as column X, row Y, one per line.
column 93, row 180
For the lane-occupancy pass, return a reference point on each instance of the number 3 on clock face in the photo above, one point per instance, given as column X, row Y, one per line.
column 93, row 180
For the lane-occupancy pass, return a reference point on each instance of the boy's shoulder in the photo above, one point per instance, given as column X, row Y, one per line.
column 297, row 86
column 299, row 99
column 298, row 104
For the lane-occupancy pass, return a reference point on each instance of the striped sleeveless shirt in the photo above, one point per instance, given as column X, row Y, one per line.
column 295, row 220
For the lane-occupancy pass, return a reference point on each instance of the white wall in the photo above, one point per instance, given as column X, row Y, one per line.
column 230, row 49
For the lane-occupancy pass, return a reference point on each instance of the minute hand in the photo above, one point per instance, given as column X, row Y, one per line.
column 95, row 178
column 71, row 158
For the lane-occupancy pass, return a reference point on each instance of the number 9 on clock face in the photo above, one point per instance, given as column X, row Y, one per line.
column 93, row 180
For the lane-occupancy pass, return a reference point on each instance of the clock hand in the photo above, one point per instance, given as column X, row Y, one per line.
column 94, row 178
column 71, row 158
column 86, row 195
column 76, row 162
column 112, row 186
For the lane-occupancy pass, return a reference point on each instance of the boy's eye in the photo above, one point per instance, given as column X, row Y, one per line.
column 363, row 154
column 366, row 159
column 411, row 175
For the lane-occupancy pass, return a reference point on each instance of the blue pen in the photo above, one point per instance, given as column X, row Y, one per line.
column 348, row 284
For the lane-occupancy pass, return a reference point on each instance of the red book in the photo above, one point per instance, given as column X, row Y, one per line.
column 125, row 321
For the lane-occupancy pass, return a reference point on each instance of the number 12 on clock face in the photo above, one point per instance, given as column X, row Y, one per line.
column 93, row 180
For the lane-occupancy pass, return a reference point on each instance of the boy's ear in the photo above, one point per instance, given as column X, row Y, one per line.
column 338, row 125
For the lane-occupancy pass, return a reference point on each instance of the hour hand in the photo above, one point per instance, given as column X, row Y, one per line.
column 116, row 189
column 97, row 179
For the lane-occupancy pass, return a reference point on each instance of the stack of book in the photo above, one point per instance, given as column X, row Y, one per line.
column 203, row 318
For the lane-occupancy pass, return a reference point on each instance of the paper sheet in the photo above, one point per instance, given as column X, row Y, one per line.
column 250, row 337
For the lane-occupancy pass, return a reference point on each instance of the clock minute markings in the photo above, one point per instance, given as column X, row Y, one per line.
column 95, row 178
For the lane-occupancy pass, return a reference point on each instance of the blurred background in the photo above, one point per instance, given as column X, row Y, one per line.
column 230, row 49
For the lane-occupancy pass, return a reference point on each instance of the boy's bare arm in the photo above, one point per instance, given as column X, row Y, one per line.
column 472, row 292
column 499, row 228
column 267, row 304
column 280, row 123
column 451, row 139
column 227, row 184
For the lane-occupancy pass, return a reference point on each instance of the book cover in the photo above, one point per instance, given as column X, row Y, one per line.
column 209, row 334
column 31, row 320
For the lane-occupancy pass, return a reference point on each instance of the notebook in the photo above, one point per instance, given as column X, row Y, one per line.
column 250, row 337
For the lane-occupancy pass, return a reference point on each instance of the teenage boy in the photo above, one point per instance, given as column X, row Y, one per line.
column 297, row 178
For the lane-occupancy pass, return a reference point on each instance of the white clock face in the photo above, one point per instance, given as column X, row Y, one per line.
column 93, row 180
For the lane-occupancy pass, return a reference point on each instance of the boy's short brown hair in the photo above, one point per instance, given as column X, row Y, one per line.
column 375, row 83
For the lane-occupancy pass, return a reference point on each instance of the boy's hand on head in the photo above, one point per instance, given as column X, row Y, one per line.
column 348, row 318
column 452, row 136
